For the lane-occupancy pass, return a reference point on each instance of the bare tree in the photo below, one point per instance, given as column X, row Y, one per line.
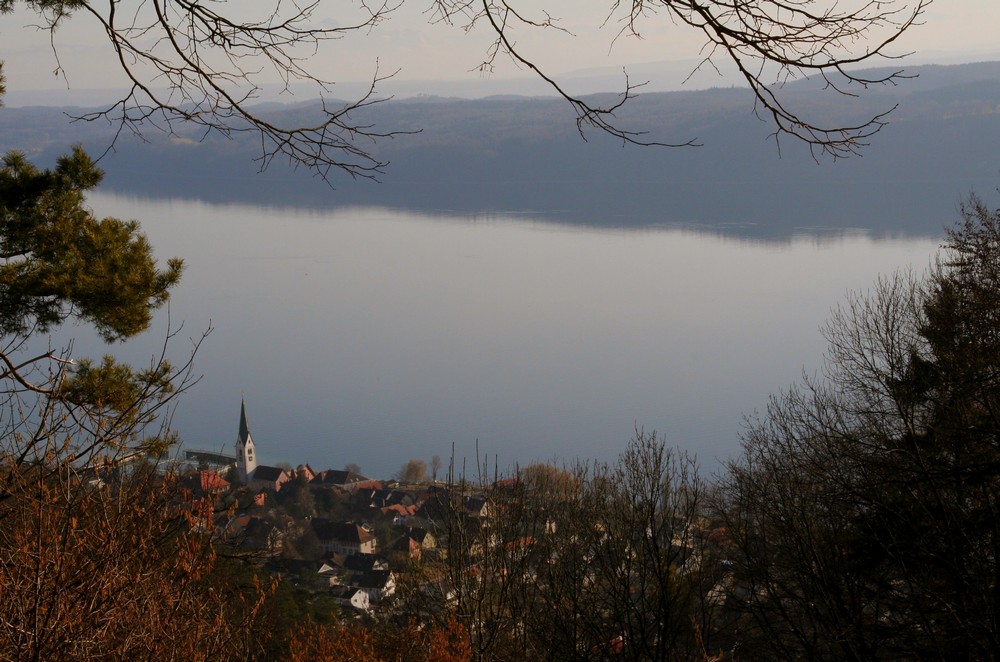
column 625, row 560
column 770, row 42
column 203, row 64
column 490, row 529
column 589, row 562
column 864, row 511
column 414, row 471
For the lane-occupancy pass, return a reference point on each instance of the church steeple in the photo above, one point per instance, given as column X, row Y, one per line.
column 246, row 455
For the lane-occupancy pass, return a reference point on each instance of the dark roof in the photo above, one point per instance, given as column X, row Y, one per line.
column 418, row 534
column 364, row 562
column 345, row 592
column 474, row 504
column 341, row 531
column 291, row 566
column 258, row 528
column 338, row 477
column 383, row 498
column 264, row 472
column 244, row 428
column 336, row 560
column 374, row 579
column 405, row 544
column 436, row 507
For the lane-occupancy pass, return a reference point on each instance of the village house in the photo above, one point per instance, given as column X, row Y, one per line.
column 424, row 538
column 344, row 567
column 345, row 480
column 342, row 537
column 268, row 478
column 261, row 535
column 360, row 564
column 379, row 584
column 205, row 483
column 349, row 596
column 405, row 549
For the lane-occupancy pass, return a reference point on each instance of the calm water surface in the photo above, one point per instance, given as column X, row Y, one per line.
column 374, row 336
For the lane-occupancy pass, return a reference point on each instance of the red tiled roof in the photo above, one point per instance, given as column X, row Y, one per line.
column 211, row 481
column 399, row 509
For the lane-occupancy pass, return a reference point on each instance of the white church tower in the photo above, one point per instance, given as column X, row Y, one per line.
column 246, row 454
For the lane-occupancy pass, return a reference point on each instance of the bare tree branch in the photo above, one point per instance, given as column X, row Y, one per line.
column 188, row 63
column 770, row 42
column 204, row 64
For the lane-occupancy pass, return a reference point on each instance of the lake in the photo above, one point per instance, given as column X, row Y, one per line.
column 375, row 336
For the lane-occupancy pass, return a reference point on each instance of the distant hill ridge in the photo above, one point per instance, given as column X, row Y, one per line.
column 520, row 154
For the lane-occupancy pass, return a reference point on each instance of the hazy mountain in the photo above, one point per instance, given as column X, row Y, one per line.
column 523, row 154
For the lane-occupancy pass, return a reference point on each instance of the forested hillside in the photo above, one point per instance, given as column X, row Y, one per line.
column 525, row 155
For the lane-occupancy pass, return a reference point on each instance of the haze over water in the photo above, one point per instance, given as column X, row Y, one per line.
column 374, row 336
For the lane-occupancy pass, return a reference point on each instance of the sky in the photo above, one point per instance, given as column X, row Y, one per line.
column 435, row 58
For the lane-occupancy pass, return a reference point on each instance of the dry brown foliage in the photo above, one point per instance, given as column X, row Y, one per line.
column 119, row 571
column 353, row 642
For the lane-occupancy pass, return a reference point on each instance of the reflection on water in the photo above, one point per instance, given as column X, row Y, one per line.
column 374, row 337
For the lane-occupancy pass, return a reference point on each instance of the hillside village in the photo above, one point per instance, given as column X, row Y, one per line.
column 330, row 530
column 355, row 547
